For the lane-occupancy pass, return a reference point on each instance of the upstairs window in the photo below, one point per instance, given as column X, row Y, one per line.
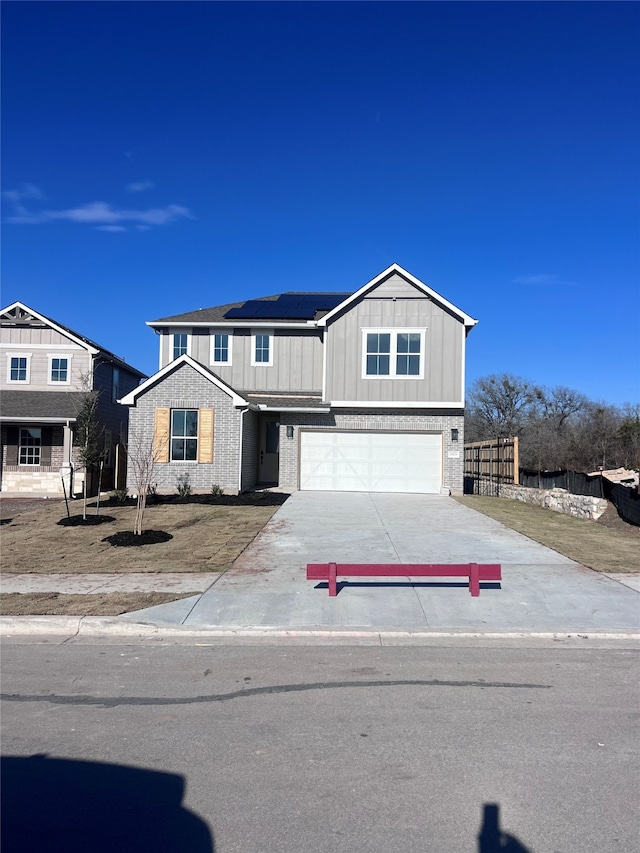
column 221, row 348
column 396, row 353
column 18, row 368
column 184, row 435
column 408, row 354
column 262, row 349
column 180, row 344
column 30, row 444
column 59, row 370
column 378, row 353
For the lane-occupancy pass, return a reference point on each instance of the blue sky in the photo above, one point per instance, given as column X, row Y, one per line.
column 162, row 157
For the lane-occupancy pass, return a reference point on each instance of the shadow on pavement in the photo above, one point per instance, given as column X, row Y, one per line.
column 491, row 839
column 57, row 804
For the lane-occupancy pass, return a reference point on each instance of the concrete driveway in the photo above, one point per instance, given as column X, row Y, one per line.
column 541, row 590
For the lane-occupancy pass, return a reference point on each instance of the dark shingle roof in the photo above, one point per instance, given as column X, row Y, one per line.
column 202, row 315
column 300, row 400
column 217, row 314
column 61, row 405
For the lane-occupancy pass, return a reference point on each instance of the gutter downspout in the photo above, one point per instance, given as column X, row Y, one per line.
column 241, row 449
column 68, row 454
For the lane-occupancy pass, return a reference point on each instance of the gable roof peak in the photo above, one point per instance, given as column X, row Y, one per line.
column 396, row 268
column 130, row 398
column 19, row 312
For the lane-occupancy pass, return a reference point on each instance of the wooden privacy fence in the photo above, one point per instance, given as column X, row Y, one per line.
column 489, row 464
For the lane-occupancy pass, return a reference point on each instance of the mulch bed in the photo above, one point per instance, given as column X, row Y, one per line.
column 128, row 539
column 89, row 521
column 246, row 499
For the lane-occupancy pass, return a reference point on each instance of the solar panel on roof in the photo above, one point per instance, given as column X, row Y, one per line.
column 288, row 306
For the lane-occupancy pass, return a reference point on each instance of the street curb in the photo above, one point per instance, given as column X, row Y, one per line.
column 95, row 626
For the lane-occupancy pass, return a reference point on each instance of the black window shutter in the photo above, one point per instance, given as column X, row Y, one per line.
column 12, row 445
column 45, row 446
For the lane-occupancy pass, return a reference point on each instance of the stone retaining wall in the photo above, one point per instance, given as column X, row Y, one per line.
column 559, row 500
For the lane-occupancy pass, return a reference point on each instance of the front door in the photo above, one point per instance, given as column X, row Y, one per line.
column 269, row 447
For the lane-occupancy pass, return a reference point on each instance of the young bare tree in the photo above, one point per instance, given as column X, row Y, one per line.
column 144, row 453
column 88, row 431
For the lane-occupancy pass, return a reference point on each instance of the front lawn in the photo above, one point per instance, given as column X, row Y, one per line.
column 205, row 537
column 614, row 548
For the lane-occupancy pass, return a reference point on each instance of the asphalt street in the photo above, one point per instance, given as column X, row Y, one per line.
column 445, row 748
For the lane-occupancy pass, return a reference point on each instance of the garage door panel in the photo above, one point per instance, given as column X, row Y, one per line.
column 371, row 462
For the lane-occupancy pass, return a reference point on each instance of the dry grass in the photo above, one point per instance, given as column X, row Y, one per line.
column 604, row 549
column 95, row 604
column 206, row 538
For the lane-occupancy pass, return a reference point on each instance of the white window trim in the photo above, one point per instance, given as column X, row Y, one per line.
column 171, row 336
column 212, row 359
column 11, row 355
column 66, row 355
column 20, row 446
column 394, row 332
column 173, row 461
column 270, row 334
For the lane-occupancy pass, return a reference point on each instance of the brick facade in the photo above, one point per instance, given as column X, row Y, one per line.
column 408, row 420
column 185, row 388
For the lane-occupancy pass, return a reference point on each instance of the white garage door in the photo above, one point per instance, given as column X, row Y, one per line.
column 370, row 462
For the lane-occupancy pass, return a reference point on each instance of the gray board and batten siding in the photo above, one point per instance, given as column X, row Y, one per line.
column 38, row 343
column 297, row 358
column 396, row 303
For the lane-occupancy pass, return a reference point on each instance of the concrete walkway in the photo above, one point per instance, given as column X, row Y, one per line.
column 541, row 590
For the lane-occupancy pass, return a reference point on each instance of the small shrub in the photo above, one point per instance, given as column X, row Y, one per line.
column 152, row 494
column 183, row 485
column 121, row 496
column 217, row 491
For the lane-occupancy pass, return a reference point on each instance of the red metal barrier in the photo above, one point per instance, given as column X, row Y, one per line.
column 475, row 572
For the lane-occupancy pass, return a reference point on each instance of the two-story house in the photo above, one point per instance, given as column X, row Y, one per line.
column 45, row 368
column 359, row 391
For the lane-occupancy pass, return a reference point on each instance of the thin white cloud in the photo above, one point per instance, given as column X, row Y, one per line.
column 17, row 197
column 25, row 192
column 140, row 186
column 100, row 214
column 541, row 280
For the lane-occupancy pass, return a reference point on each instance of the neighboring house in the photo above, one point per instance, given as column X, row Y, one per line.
column 355, row 391
column 45, row 367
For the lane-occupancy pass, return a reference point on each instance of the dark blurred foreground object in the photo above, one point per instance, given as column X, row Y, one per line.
column 491, row 839
column 55, row 804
